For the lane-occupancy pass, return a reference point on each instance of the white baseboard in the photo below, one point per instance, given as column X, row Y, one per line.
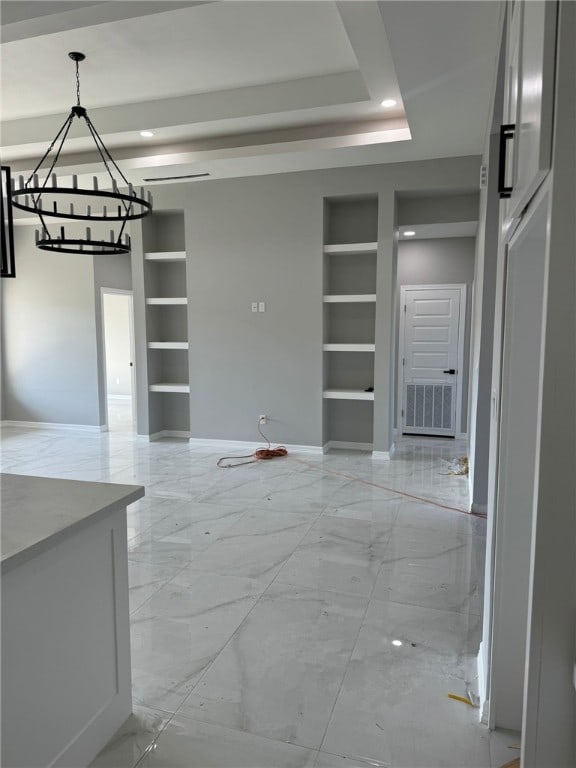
column 479, row 509
column 237, row 446
column 119, row 397
column 461, row 435
column 381, row 455
column 347, row 445
column 484, row 702
column 168, row 433
column 55, row 426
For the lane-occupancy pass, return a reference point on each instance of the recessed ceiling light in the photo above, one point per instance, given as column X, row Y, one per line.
column 397, row 642
column 389, row 103
column 409, row 233
column 147, row 134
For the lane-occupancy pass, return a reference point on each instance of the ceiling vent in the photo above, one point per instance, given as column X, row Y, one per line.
column 177, row 178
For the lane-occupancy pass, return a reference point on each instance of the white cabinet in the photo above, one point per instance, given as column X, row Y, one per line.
column 529, row 102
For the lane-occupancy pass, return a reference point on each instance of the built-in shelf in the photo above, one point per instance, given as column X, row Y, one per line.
column 168, row 345
column 169, row 387
column 349, row 347
column 351, row 298
column 351, row 249
column 165, row 256
column 347, row 394
column 164, row 301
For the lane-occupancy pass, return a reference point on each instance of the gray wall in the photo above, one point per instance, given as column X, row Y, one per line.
column 438, row 261
column 247, row 239
column 260, row 239
column 416, row 209
column 49, row 337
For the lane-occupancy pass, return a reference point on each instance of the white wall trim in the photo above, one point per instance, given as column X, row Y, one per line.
column 168, row 433
column 119, row 397
column 479, row 509
column 461, row 436
column 381, row 455
column 55, row 426
column 484, row 702
column 343, row 444
column 240, row 445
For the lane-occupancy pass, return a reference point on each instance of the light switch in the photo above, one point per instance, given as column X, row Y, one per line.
column 262, row 306
column 254, row 306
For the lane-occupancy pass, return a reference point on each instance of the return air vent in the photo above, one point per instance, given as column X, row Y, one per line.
column 178, row 178
column 429, row 408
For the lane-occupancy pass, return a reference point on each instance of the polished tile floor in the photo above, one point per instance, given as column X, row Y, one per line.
column 310, row 611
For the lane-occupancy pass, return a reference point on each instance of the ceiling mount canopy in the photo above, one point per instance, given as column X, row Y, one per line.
column 43, row 194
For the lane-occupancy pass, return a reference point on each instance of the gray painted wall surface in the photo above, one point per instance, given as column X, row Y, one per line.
column 439, row 261
column 260, row 239
column 49, row 337
column 247, row 239
column 433, row 210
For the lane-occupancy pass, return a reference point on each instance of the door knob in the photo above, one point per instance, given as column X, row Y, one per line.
column 451, row 371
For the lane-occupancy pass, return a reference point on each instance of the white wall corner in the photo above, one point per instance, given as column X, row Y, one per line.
column 482, row 691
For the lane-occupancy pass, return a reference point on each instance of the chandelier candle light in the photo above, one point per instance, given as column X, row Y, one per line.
column 43, row 197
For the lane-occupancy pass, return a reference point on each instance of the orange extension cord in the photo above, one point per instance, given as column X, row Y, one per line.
column 262, row 454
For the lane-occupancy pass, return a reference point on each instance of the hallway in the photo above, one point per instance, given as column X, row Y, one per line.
column 304, row 612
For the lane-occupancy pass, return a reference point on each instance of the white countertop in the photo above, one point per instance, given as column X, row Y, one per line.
column 36, row 511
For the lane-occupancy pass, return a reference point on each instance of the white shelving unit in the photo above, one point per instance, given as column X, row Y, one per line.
column 169, row 387
column 351, row 249
column 349, row 308
column 366, row 298
column 347, row 394
column 167, row 301
column 349, row 347
column 165, row 256
column 168, row 345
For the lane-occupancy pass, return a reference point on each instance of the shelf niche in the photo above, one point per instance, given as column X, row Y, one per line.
column 166, row 323
column 349, row 299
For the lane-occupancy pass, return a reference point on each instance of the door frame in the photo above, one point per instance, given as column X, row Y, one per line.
column 461, row 337
column 115, row 291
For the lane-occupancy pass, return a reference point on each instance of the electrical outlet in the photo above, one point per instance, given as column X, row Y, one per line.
column 261, row 306
column 254, row 306
column 262, row 419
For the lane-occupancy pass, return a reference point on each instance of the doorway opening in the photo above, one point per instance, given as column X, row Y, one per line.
column 119, row 372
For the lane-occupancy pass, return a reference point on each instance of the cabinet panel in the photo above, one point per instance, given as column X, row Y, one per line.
column 534, row 109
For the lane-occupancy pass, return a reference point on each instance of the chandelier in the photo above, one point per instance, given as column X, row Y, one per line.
column 41, row 193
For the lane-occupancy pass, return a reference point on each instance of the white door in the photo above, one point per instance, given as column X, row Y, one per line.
column 118, row 337
column 430, row 360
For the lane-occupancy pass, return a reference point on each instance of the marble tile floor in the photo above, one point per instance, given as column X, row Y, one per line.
column 265, row 601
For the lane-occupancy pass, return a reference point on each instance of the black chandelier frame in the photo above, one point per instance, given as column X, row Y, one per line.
column 120, row 206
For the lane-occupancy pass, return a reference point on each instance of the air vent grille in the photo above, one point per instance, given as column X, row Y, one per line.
column 429, row 407
column 178, row 178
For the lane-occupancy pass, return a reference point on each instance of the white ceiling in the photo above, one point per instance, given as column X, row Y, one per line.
column 244, row 87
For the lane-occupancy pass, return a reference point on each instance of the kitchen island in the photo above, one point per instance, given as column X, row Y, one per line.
column 66, row 680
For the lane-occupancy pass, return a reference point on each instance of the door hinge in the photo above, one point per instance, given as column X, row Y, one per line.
column 403, row 361
column 404, row 307
column 402, row 411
